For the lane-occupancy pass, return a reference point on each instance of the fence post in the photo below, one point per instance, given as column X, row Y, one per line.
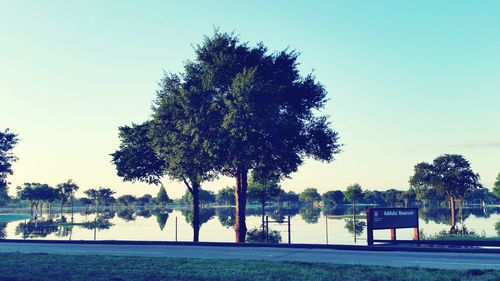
column 369, row 227
column 289, row 232
column 175, row 229
column 326, row 227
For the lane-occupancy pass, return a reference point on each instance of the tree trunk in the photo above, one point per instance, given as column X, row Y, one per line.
column 452, row 208
column 62, row 208
column 71, row 207
column 240, row 194
column 196, row 211
column 461, row 210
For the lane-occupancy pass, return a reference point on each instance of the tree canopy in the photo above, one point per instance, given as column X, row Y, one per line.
column 234, row 109
column 7, row 142
column 496, row 187
column 448, row 174
column 354, row 193
column 99, row 196
column 162, row 196
column 310, row 195
column 263, row 191
column 335, row 197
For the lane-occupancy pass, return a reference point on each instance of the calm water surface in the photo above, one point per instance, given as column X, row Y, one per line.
column 308, row 225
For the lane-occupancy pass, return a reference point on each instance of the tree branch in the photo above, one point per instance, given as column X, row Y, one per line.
column 187, row 185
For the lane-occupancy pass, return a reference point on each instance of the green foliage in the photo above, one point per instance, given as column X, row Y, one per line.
column 206, row 214
column 206, row 197
column 161, row 218
column 126, row 214
column 225, row 196
column 356, row 229
column 226, row 216
column 449, row 174
column 263, row 191
column 234, row 109
column 354, row 193
column 36, row 229
column 335, row 197
column 7, row 142
column 37, row 192
column 127, row 200
column 136, row 160
column 310, row 196
column 496, row 187
column 260, row 106
column 289, row 197
column 310, row 214
column 257, row 235
column 100, row 196
column 162, row 196
column 66, row 191
column 145, row 199
column 3, row 231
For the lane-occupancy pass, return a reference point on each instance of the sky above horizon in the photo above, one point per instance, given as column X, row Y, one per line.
column 406, row 81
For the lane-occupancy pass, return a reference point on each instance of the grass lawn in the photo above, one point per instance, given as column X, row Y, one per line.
column 15, row 266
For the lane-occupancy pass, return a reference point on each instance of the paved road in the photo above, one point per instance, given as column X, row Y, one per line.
column 396, row 259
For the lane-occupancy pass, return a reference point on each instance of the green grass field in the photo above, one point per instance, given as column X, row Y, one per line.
column 15, row 266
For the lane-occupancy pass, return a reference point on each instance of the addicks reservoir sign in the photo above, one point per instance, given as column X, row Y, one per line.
column 387, row 218
column 391, row 218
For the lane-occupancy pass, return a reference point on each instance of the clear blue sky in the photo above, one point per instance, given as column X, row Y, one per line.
column 407, row 80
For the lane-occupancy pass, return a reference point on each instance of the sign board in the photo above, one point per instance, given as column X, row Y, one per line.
column 389, row 218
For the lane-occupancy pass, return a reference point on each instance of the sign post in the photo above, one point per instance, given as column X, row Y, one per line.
column 391, row 218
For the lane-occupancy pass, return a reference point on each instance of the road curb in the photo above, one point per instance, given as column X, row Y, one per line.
column 376, row 248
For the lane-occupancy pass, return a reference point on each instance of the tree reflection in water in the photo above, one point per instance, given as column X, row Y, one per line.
column 161, row 217
column 310, row 214
column 356, row 229
column 145, row 213
column 226, row 216
column 3, row 230
column 206, row 214
column 126, row 214
column 35, row 228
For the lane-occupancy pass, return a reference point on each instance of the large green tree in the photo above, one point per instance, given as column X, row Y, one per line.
column 168, row 146
column 237, row 109
column 262, row 112
column 448, row 174
column 7, row 142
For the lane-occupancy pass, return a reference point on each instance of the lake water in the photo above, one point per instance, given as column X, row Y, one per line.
column 308, row 225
